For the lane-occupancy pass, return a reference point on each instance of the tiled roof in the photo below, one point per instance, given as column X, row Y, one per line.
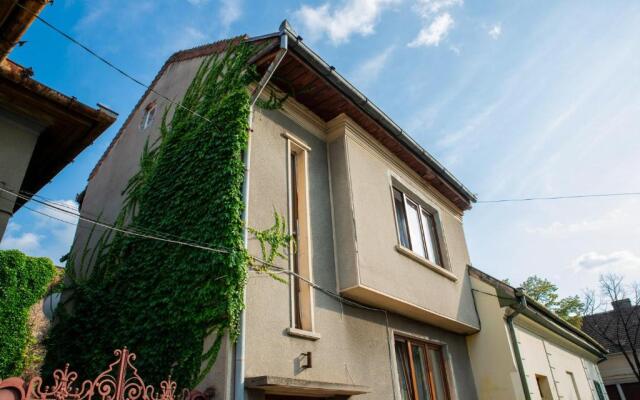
column 608, row 328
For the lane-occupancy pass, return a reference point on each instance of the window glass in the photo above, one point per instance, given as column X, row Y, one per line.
column 436, row 365
column 421, row 371
column 415, row 231
column 420, row 366
column 599, row 390
column 431, row 237
column 403, row 230
column 402, row 359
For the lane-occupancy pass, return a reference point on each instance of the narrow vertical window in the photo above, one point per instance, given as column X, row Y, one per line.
column 574, row 385
column 415, row 230
column 421, row 370
column 431, row 237
column 403, row 229
column 301, row 296
column 147, row 117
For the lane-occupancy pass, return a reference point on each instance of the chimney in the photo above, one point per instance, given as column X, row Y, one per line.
column 621, row 304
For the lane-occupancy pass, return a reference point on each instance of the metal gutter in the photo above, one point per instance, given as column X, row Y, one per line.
column 358, row 98
column 521, row 305
column 240, row 349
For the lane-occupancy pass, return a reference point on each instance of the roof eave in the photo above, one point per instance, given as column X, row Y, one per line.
column 352, row 93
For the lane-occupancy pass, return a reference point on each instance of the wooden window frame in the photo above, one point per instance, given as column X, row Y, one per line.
column 301, row 293
column 437, row 258
column 426, row 346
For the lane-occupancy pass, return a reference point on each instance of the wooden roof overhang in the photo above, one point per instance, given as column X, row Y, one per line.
column 316, row 85
column 67, row 125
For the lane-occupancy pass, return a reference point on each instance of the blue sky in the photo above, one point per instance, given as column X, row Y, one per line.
column 517, row 99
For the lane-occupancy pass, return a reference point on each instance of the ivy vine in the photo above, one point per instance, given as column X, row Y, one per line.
column 161, row 300
column 23, row 281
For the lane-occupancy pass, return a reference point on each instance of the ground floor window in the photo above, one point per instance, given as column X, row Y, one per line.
column 421, row 370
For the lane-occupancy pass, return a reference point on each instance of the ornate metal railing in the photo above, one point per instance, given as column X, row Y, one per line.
column 119, row 382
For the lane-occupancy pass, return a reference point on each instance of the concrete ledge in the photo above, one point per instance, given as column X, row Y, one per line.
column 300, row 333
column 421, row 260
column 285, row 386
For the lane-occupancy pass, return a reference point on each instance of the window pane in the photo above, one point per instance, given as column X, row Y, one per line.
column 439, row 383
column 420, row 368
column 403, row 231
column 415, row 232
column 431, row 237
column 402, row 360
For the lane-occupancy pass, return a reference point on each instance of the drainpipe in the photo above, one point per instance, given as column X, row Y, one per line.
column 519, row 307
column 239, row 371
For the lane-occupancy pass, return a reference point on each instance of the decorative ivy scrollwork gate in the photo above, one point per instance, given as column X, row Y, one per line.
column 119, row 382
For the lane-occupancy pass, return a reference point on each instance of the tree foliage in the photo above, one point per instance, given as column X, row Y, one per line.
column 161, row 300
column 23, row 281
column 546, row 293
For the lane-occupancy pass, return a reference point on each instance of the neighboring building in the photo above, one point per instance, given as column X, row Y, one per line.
column 41, row 130
column 606, row 327
column 524, row 351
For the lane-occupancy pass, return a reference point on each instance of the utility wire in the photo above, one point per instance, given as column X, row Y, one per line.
column 575, row 196
column 107, row 62
column 118, row 229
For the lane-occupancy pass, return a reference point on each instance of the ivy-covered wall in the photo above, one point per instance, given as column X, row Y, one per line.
column 23, row 281
column 159, row 299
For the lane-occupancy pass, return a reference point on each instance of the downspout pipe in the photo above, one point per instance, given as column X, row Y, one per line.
column 240, row 348
column 520, row 306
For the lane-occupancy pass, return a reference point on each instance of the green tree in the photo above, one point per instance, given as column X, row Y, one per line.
column 546, row 293
column 23, row 281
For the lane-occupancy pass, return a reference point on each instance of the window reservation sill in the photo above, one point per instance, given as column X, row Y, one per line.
column 300, row 333
column 435, row 268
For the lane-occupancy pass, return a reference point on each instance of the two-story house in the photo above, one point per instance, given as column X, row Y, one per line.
column 379, row 302
column 377, row 220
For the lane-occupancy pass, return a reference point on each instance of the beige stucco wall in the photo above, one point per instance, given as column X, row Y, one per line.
column 18, row 138
column 353, row 347
column 615, row 369
column 542, row 351
column 371, row 268
column 354, row 344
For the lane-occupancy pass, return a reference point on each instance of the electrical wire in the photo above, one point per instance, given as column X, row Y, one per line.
column 116, row 228
column 107, row 62
column 575, row 196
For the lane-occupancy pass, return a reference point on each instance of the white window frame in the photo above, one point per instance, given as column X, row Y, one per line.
column 148, row 115
column 437, row 258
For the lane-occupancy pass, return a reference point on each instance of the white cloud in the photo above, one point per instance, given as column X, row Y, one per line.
column 428, row 8
column 230, row 11
column 495, row 31
column 432, row 34
column 26, row 242
column 617, row 262
column 615, row 219
column 339, row 23
column 370, row 69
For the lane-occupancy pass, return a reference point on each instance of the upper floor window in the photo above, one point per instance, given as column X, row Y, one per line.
column 301, row 292
column 147, row 117
column 421, row 370
column 417, row 228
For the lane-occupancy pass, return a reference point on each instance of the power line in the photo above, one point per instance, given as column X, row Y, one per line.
column 115, row 228
column 107, row 62
column 575, row 196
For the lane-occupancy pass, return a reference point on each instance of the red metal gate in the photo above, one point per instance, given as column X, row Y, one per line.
column 119, row 382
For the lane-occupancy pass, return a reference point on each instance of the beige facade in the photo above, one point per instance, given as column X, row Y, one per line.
column 558, row 362
column 353, row 249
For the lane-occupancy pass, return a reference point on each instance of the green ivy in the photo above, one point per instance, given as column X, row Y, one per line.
column 23, row 281
column 163, row 300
